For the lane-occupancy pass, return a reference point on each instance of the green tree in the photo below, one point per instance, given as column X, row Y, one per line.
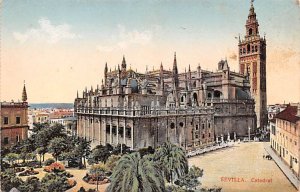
column 57, row 146
column 54, row 183
column 30, row 156
column 9, row 180
column 118, row 149
column 41, row 151
column 41, row 140
column 37, row 127
column 100, row 153
column 32, row 184
column 83, row 149
column 11, row 158
column 99, row 171
column 136, row 174
column 112, row 162
column 23, row 148
column 172, row 160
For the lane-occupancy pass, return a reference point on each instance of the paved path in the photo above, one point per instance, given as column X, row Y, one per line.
column 284, row 168
column 78, row 175
column 240, row 168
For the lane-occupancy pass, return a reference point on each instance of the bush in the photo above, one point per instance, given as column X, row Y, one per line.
column 29, row 172
column 19, row 169
column 54, row 182
column 49, row 161
column 4, row 165
column 83, row 190
column 65, row 174
column 34, row 164
column 9, row 180
column 112, row 162
column 55, row 167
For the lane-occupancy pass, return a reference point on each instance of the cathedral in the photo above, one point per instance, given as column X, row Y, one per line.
column 195, row 108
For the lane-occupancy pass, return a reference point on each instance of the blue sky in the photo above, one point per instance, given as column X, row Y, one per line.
column 61, row 38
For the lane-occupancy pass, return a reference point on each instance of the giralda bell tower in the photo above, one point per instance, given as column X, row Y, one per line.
column 252, row 62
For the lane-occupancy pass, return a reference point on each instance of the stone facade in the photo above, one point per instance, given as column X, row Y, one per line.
column 252, row 61
column 191, row 109
column 14, row 121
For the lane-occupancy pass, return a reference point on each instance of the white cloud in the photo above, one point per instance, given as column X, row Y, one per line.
column 125, row 39
column 46, row 32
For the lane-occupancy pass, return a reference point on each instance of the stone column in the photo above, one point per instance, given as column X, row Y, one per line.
column 99, row 127
column 124, row 132
column 110, row 132
column 89, row 129
column 132, row 128
column 84, row 127
column 77, row 125
column 105, row 134
column 117, row 131
column 93, row 131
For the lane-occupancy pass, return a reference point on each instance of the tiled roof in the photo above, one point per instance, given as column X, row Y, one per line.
column 289, row 114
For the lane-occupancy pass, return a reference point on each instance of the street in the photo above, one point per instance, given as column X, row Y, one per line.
column 241, row 168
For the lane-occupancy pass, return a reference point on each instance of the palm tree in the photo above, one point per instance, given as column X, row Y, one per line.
column 172, row 161
column 136, row 174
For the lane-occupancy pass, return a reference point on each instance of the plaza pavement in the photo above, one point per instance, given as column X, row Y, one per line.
column 238, row 168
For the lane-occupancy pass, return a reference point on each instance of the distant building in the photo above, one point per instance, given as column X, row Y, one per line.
column 65, row 118
column 285, row 136
column 273, row 110
column 14, row 121
column 41, row 117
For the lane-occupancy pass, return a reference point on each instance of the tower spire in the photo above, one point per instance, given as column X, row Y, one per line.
column 105, row 69
column 175, row 69
column 24, row 93
column 123, row 63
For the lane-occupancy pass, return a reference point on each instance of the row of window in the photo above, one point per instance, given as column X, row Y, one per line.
column 6, row 120
column 250, row 49
column 285, row 125
column 120, row 131
column 282, row 151
column 172, row 125
column 197, row 136
column 286, row 137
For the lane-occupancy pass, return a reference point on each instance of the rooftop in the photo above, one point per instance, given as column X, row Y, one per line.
column 289, row 114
